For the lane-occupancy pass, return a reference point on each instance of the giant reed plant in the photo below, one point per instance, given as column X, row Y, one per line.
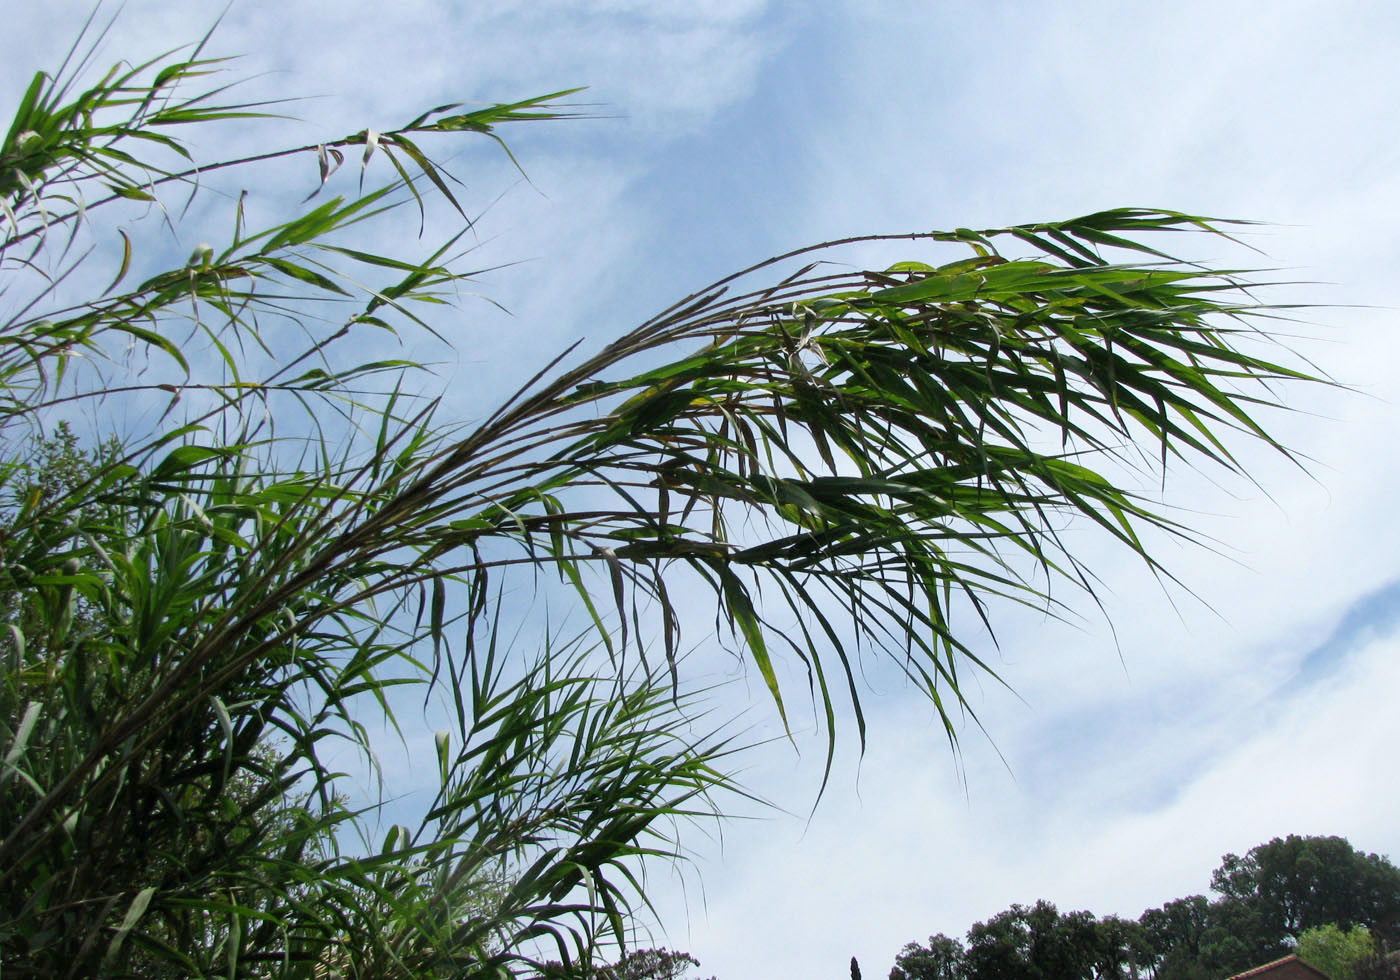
column 838, row 460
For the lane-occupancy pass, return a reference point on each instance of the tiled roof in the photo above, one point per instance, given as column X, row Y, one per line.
column 1288, row 968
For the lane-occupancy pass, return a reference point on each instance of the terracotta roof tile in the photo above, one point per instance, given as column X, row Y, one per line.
column 1287, row 968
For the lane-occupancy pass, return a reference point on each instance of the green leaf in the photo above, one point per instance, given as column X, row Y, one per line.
column 741, row 612
column 134, row 911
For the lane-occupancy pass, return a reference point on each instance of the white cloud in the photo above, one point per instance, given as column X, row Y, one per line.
column 669, row 66
column 913, row 855
column 1129, row 781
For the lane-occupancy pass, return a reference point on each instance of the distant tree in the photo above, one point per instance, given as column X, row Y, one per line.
column 1173, row 936
column 640, row 964
column 1268, row 900
column 941, row 959
column 1300, row 883
column 1077, row 943
column 1335, row 951
column 1000, row 947
column 1035, row 942
column 1122, row 948
column 1379, row 966
column 1240, row 934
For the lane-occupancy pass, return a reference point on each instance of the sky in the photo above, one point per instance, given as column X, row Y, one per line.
column 1253, row 700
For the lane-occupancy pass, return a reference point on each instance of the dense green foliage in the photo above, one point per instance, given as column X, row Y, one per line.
column 208, row 618
column 1340, row 953
column 196, row 615
column 1298, row 883
column 1270, row 900
column 1031, row 942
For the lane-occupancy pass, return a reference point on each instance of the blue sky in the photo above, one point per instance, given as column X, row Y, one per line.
column 730, row 131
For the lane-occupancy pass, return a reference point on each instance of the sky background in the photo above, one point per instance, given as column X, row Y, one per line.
column 1121, row 767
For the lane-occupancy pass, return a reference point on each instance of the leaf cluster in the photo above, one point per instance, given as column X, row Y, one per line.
column 191, row 642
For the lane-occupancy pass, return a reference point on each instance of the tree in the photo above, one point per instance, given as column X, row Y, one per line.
column 941, row 959
column 640, row 964
column 1281, row 889
column 292, row 538
column 1033, row 942
column 1339, row 953
column 1299, row 883
column 1379, row 966
column 1190, row 938
column 1175, row 933
column 1123, row 948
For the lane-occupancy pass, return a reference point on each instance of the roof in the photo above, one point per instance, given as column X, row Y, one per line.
column 1288, row 968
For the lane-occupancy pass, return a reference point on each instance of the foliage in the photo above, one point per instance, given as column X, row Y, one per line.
column 941, row 959
column 639, row 964
column 56, row 466
column 1175, row 934
column 651, row 964
column 1037, row 941
column 286, row 544
column 1267, row 900
column 1301, row 883
column 1190, row 938
column 184, row 649
column 1335, row 951
column 1380, row 966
